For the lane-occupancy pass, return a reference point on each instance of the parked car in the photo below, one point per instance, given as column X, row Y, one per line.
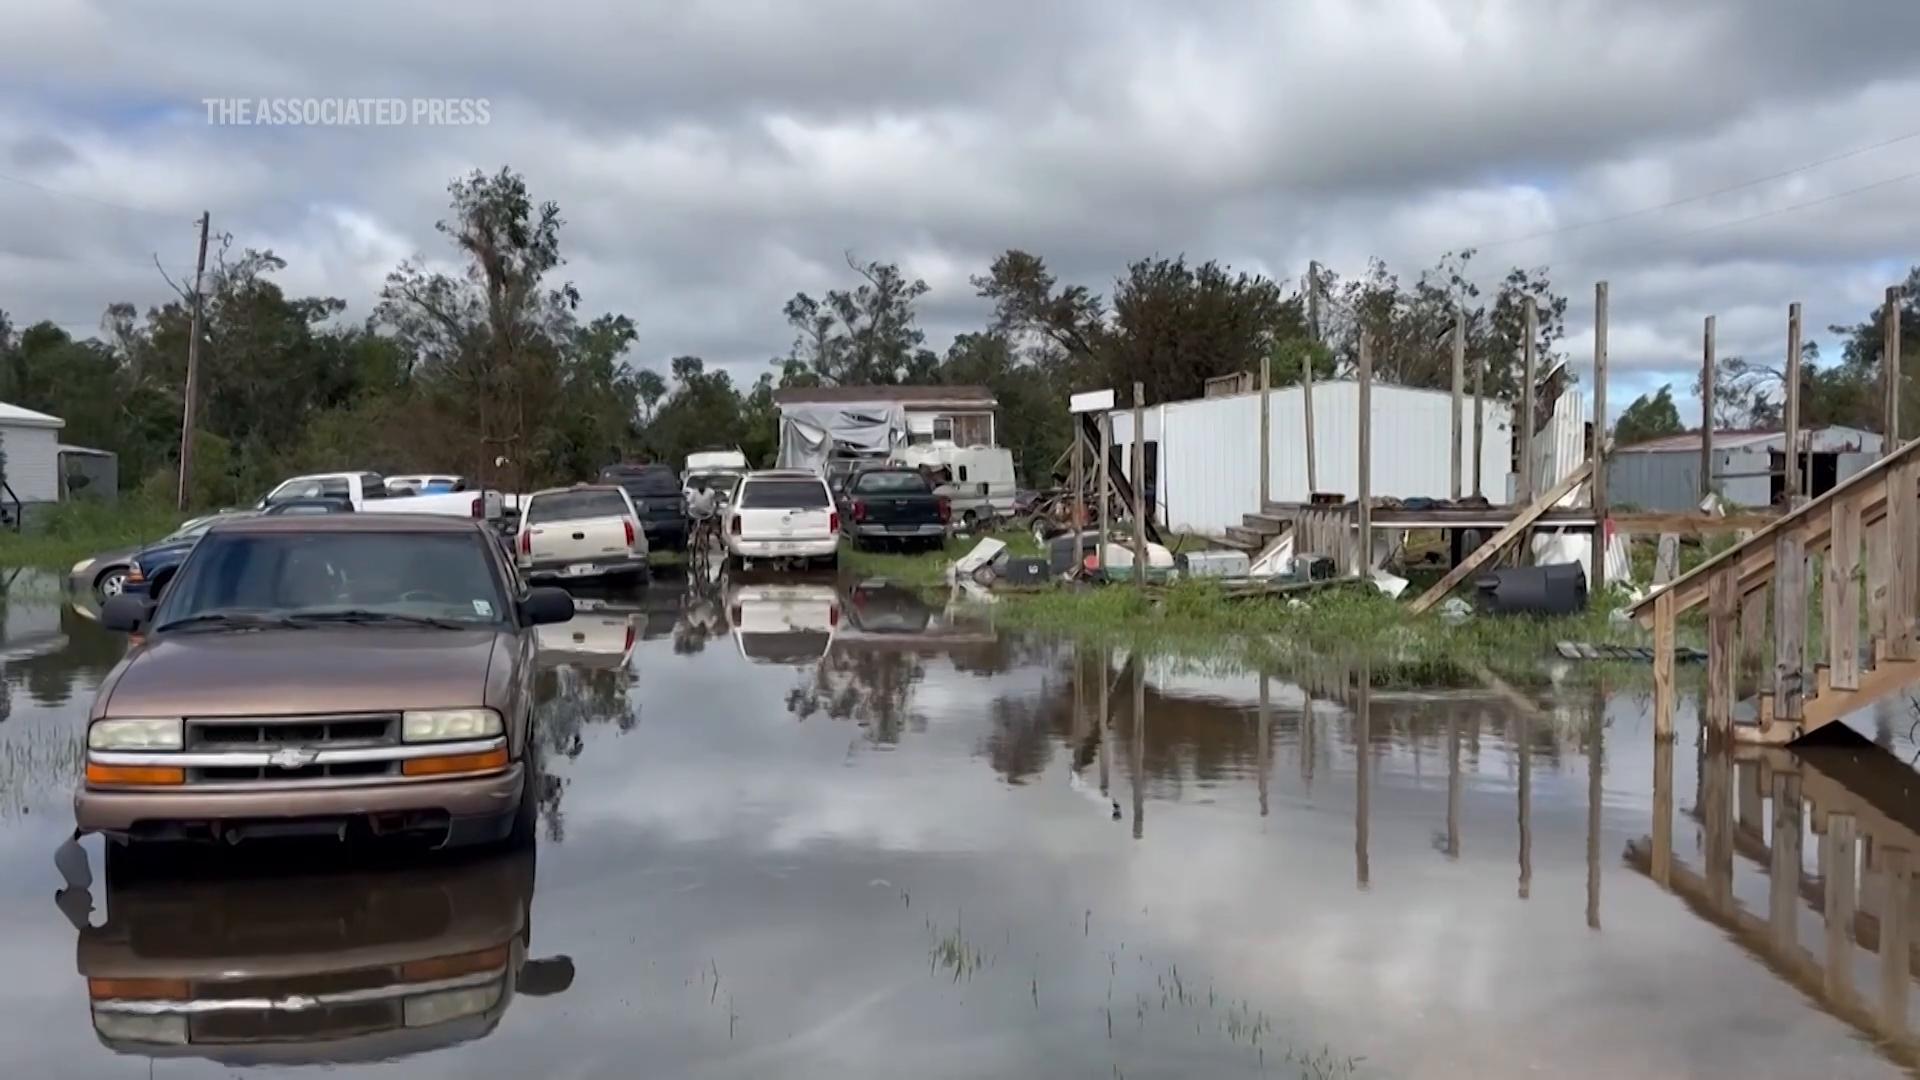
column 367, row 491
column 153, row 566
column 783, row 623
column 893, row 506
column 336, row 675
column 104, row 576
column 659, row 500
column 584, row 531
column 785, row 515
column 311, row 965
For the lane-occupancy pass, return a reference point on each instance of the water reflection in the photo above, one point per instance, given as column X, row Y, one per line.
column 1861, row 806
column 269, row 961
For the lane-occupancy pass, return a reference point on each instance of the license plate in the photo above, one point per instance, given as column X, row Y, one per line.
column 906, row 528
column 579, row 569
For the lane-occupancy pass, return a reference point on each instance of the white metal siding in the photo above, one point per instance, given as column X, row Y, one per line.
column 1209, row 449
column 33, row 461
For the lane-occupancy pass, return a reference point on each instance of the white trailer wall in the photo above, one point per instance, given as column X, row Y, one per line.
column 1209, row 472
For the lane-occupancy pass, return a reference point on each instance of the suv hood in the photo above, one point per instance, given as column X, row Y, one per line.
column 302, row 672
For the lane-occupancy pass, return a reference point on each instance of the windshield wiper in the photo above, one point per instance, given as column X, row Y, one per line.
column 367, row 616
column 224, row 620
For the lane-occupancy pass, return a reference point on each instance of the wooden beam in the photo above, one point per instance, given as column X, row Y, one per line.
column 1793, row 405
column 1663, row 669
column 1840, row 598
column 1783, row 879
column 1459, row 375
column 1903, row 544
column 1598, row 583
column 1139, row 484
column 1721, row 615
column 1896, row 929
column 1079, row 478
column 1479, row 422
column 1707, row 376
column 1890, row 368
column 1839, row 870
column 1266, row 430
column 1523, row 428
column 1363, row 561
column 1501, row 539
column 1306, row 371
column 1789, row 628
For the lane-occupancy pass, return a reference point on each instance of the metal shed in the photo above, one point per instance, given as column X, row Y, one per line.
column 1664, row 474
column 31, row 441
column 1203, row 455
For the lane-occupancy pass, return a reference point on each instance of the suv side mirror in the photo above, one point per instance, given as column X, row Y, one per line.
column 126, row 614
column 547, row 604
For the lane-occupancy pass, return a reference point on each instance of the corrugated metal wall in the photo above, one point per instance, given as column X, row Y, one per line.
column 1209, row 449
column 32, row 461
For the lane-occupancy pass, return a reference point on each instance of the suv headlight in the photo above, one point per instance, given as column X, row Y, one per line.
column 146, row 733
column 444, row 725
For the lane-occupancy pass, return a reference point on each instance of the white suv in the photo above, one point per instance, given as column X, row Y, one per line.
column 584, row 531
column 785, row 515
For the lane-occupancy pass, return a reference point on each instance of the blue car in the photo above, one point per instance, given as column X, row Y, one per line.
column 153, row 566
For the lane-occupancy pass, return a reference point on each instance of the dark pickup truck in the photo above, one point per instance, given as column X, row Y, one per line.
column 893, row 507
column 657, row 498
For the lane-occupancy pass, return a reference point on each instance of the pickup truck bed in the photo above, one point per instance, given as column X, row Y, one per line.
column 894, row 506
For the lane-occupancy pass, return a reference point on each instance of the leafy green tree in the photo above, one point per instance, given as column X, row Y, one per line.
column 1648, row 417
column 858, row 337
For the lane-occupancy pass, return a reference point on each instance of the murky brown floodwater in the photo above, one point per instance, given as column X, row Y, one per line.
column 836, row 833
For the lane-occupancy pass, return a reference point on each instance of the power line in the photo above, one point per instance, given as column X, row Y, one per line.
column 23, row 182
column 1800, row 205
column 1645, row 210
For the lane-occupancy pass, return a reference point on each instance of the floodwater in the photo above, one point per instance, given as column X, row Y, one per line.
column 833, row 831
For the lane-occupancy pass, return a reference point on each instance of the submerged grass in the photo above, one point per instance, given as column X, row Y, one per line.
column 925, row 569
column 72, row 531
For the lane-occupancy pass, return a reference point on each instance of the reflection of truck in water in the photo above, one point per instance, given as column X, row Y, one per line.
column 783, row 624
column 285, row 966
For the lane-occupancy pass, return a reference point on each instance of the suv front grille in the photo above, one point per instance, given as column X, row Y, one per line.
column 317, row 732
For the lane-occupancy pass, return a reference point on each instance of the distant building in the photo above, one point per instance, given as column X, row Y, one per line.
column 1748, row 466
column 815, row 421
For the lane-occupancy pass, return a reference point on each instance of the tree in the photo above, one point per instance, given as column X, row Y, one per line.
column 651, row 388
column 1648, row 418
column 864, row 336
column 1861, row 348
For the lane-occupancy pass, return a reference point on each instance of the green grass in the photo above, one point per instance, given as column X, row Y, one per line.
column 926, row 569
column 72, row 531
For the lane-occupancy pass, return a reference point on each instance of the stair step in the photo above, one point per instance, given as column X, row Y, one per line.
column 1245, row 538
column 1264, row 524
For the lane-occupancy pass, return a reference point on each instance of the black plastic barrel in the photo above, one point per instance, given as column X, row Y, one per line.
column 1553, row 589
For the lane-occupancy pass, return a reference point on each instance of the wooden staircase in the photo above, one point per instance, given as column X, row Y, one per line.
column 1858, row 546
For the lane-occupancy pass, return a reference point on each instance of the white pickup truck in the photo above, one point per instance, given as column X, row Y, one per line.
column 367, row 491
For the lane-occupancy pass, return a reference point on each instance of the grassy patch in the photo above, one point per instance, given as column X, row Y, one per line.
column 925, row 569
column 72, row 531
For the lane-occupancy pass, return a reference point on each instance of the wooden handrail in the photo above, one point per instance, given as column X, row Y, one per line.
column 1690, row 589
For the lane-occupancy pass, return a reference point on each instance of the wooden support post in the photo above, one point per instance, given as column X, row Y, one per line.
column 1721, row 613
column 1079, row 479
column 1663, row 666
column 1903, row 548
column 1840, row 598
column 1266, row 433
column 1716, row 805
column 1501, row 539
column 1363, row 561
column 1793, row 483
column 1596, row 761
column 1879, row 563
column 1598, row 485
column 1748, row 799
column 1139, row 665
column 1453, row 783
column 1896, row 934
column 1789, row 628
column 1362, row 774
column 1753, row 632
column 1104, row 479
column 1839, row 870
column 1454, row 446
column 1140, row 484
column 1479, row 423
column 1662, row 869
column 1890, row 371
column 1783, row 893
column 1707, row 375
column 1306, row 372
column 1523, row 424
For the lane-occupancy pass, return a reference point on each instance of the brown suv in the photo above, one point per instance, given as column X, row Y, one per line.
column 323, row 676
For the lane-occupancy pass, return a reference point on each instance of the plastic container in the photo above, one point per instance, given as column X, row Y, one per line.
column 1223, row 563
column 1554, row 589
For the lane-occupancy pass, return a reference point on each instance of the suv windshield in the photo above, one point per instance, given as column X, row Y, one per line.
column 438, row 576
column 783, row 495
column 576, row 506
column 891, row 483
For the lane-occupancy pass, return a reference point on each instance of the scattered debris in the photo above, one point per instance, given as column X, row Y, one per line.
column 1573, row 650
column 1454, row 611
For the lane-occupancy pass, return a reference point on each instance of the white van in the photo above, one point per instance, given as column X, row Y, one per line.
column 981, row 484
column 720, row 470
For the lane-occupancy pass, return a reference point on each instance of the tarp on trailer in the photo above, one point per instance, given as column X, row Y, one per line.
column 809, row 432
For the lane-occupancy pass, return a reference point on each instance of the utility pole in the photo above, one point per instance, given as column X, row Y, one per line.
column 1598, row 483
column 1890, row 371
column 1306, row 371
column 193, row 369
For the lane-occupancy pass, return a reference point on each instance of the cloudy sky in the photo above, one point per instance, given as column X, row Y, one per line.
column 712, row 158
